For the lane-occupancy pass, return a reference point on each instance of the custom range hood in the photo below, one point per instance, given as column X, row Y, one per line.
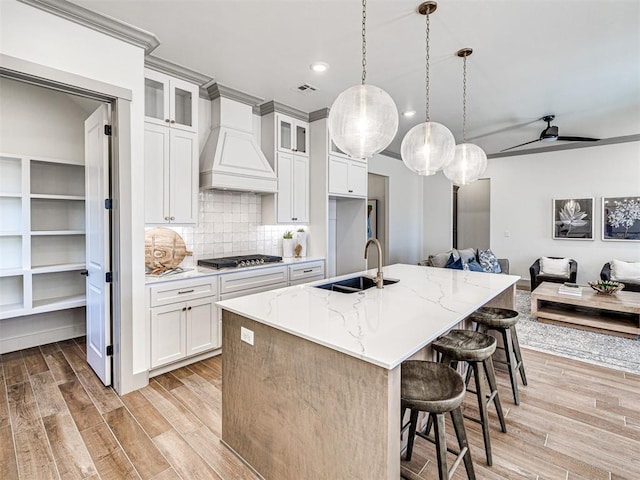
column 231, row 158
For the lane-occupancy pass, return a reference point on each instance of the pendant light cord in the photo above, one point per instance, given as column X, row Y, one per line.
column 464, row 99
column 364, row 41
column 427, row 68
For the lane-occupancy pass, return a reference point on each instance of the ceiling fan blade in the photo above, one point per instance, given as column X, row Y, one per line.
column 578, row 139
column 522, row 144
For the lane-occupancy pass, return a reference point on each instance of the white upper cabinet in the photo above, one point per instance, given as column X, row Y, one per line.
column 171, row 175
column 347, row 177
column 292, row 135
column 293, row 188
column 170, row 101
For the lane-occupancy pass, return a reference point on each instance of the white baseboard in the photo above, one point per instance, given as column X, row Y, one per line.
column 41, row 338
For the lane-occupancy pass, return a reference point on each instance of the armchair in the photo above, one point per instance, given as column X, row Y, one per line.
column 629, row 286
column 537, row 277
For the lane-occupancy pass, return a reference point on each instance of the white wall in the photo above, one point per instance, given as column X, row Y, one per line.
column 522, row 189
column 474, row 215
column 405, row 209
column 39, row 37
column 438, row 221
column 40, row 122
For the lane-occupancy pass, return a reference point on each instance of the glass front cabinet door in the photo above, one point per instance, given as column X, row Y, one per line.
column 170, row 101
column 292, row 135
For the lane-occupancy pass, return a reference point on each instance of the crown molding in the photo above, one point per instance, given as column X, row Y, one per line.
column 273, row 106
column 568, row 146
column 319, row 114
column 217, row 90
column 175, row 70
column 391, row 154
column 98, row 22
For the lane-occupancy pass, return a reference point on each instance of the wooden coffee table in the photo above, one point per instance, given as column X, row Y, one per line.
column 617, row 314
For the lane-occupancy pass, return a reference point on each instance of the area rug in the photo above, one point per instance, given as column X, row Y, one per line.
column 597, row 348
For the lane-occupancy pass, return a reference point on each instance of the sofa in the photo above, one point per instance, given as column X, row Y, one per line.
column 440, row 260
column 607, row 274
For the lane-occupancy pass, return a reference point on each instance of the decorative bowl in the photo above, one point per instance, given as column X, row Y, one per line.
column 606, row 287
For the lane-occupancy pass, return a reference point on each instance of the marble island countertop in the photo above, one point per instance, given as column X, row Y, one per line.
column 380, row 326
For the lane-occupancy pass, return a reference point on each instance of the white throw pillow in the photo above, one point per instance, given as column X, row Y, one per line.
column 554, row 266
column 621, row 271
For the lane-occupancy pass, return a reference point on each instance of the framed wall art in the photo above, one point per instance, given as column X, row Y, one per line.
column 621, row 218
column 573, row 218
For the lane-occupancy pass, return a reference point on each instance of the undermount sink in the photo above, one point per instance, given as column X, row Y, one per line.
column 354, row 284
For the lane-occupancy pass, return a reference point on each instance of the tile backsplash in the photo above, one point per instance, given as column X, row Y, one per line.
column 231, row 223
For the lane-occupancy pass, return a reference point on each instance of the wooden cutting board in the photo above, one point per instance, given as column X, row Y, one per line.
column 163, row 249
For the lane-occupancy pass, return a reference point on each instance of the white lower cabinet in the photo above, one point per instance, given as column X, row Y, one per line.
column 306, row 272
column 184, row 319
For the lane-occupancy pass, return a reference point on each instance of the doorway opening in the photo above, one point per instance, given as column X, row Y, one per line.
column 377, row 218
column 472, row 215
column 51, row 200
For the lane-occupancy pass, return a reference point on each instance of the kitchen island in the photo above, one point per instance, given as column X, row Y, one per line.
column 313, row 390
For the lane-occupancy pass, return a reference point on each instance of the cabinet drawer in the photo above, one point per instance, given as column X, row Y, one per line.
column 252, row 279
column 306, row 271
column 306, row 280
column 182, row 291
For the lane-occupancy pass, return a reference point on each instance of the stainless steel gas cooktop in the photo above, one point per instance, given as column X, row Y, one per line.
column 239, row 261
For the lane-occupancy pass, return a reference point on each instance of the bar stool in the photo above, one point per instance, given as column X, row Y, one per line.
column 504, row 321
column 436, row 389
column 475, row 348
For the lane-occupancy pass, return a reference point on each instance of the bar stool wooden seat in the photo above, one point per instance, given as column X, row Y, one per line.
column 504, row 321
column 436, row 389
column 476, row 349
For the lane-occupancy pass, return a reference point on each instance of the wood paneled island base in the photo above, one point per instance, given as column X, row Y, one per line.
column 617, row 314
column 294, row 409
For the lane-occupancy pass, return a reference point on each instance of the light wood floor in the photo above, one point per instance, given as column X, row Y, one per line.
column 575, row 421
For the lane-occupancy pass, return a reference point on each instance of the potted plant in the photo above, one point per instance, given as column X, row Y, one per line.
column 301, row 240
column 287, row 244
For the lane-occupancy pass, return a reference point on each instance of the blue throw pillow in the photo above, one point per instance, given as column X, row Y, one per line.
column 474, row 266
column 488, row 261
column 454, row 264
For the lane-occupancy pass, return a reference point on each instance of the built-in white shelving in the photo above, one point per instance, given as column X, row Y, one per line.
column 42, row 235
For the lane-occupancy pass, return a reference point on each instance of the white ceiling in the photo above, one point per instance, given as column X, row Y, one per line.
column 577, row 59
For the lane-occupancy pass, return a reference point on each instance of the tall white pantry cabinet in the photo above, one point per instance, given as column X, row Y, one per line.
column 170, row 150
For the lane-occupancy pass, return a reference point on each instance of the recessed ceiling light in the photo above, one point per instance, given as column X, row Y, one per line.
column 319, row 67
column 409, row 113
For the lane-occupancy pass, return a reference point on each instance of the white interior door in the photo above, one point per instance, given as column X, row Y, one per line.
column 96, row 148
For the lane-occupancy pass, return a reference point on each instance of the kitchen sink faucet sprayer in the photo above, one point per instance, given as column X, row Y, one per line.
column 378, row 278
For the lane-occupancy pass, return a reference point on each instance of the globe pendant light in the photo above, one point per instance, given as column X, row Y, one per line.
column 469, row 161
column 427, row 148
column 363, row 119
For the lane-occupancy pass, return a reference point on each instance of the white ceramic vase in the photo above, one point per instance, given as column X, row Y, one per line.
column 287, row 247
column 301, row 239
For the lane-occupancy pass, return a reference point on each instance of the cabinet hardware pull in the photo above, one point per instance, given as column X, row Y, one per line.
column 189, row 308
column 173, row 121
column 172, row 218
column 166, row 120
column 184, row 309
column 350, row 191
column 307, row 271
column 84, row 273
column 186, row 291
column 166, row 218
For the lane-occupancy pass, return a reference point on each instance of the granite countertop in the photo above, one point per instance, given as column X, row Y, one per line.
column 380, row 326
column 195, row 272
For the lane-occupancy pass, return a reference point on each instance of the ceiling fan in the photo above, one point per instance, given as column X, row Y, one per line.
column 550, row 134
